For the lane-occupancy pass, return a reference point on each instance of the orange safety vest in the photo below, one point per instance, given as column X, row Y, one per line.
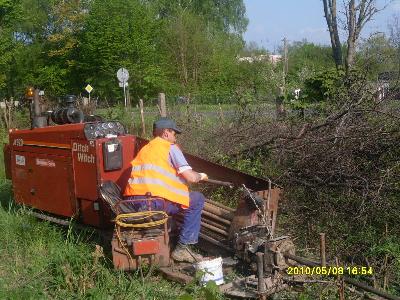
column 152, row 173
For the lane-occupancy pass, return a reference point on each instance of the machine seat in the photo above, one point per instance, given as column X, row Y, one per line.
column 111, row 194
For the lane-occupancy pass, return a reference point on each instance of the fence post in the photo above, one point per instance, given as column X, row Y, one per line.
column 162, row 105
column 188, row 109
column 221, row 114
column 128, row 98
column 142, row 117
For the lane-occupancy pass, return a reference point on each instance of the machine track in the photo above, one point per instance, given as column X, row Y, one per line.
column 49, row 218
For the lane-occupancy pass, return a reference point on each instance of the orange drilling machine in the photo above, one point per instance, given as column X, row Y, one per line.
column 68, row 166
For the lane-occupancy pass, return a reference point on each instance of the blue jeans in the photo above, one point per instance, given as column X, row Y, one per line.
column 191, row 216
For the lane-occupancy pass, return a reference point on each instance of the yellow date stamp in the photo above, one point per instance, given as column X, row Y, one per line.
column 330, row 270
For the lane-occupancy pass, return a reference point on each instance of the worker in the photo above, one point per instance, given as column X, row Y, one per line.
column 161, row 169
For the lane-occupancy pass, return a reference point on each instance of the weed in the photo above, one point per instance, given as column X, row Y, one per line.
column 41, row 260
column 195, row 290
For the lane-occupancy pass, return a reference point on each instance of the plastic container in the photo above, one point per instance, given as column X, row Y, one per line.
column 212, row 269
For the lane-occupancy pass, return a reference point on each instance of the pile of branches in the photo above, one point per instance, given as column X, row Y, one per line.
column 353, row 147
column 340, row 171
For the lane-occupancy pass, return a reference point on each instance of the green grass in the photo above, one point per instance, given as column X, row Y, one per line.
column 40, row 260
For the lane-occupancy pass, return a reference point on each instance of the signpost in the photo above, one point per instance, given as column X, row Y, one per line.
column 123, row 76
column 89, row 89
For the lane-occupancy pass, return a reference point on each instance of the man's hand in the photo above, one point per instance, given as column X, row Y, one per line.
column 193, row 177
column 203, row 176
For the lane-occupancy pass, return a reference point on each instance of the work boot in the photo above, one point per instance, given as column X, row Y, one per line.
column 183, row 253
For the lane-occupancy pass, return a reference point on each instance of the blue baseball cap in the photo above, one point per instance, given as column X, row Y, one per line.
column 167, row 124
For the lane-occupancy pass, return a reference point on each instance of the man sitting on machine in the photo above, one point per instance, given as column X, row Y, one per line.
column 161, row 170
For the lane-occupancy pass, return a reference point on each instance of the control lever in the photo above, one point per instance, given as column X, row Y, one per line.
column 223, row 183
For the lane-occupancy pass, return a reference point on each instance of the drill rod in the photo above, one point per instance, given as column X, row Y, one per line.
column 218, row 211
column 220, row 205
column 215, row 217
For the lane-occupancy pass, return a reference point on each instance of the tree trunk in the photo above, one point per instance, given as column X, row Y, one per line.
column 183, row 51
column 331, row 21
column 351, row 39
column 394, row 27
column 358, row 13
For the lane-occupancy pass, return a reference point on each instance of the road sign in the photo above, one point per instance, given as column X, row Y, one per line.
column 89, row 88
column 123, row 75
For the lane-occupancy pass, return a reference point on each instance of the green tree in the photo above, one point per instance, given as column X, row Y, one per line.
column 187, row 47
column 204, row 61
column 62, row 45
column 24, row 28
column 14, row 34
column 120, row 34
column 394, row 29
column 224, row 15
column 305, row 60
column 8, row 17
column 323, row 85
column 219, row 79
column 376, row 55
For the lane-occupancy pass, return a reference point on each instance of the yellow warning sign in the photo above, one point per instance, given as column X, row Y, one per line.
column 89, row 88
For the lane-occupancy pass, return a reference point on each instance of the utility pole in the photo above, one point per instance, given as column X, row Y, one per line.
column 285, row 60
column 279, row 101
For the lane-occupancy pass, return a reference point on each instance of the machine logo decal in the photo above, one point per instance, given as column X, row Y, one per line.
column 83, row 155
column 86, row 158
column 18, row 142
column 45, row 162
column 80, row 147
column 20, row 160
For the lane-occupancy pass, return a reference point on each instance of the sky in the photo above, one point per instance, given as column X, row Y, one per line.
column 271, row 20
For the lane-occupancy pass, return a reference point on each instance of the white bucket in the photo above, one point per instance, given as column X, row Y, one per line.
column 212, row 270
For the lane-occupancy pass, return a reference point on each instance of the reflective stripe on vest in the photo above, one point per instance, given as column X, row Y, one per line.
column 159, row 170
column 158, row 182
column 152, row 173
